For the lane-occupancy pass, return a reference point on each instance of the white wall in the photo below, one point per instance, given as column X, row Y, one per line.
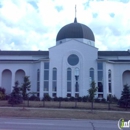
column 58, row 58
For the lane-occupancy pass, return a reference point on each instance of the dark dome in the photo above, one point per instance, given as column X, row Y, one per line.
column 75, row 30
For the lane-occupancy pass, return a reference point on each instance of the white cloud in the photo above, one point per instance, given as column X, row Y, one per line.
column 34, row 24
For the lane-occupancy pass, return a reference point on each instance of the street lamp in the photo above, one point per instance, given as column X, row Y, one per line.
column 76, row 78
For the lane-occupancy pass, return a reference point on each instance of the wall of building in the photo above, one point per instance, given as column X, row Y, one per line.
column 58, row 58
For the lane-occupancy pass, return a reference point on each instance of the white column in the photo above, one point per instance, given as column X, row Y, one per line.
column 41, row 79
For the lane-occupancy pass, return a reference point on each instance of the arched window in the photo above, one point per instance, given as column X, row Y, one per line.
column 69, row 76
column 19, row 76
column 7, row 80
column 91, row 74
column 109, row 81
column 54, row 82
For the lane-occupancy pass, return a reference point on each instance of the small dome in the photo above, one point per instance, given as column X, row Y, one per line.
column 75, row 30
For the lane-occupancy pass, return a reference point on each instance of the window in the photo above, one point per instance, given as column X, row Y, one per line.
column 100, row 75
column 54, row 74
column 69, row 74
column 68, row 94
column 46, row 77
column 100, row 66
column 54, row 80
column 54, row 86
column 46, row 85
column 38, row 80
column 100, row 87
column 73, row 59
column 68, row 86
column 76, row 95
column 109, row 81
column 100, row 78
column 91, row 74
column 46, row 65
column 54, row 95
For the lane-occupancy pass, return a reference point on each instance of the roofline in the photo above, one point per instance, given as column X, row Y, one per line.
column 43, row 53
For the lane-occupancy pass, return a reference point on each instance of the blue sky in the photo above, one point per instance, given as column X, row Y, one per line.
column 34, row 24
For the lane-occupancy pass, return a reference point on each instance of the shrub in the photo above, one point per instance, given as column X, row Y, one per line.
column 2, row 94
column 34, row 98
column 15, row 99
column 79, row 99
column 85, row 98
column 97, row 100
column 72, row 99
column 47, row 98
column 55, row 99
column 103, row 100
column 66, row 99
column 60, row 99
column 114, row 99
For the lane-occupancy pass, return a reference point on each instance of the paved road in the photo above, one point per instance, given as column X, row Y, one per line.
column 56, row 124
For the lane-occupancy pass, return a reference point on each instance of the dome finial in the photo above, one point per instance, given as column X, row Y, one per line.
column 75, row 20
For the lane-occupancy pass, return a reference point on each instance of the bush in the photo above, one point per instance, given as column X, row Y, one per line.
column 60, row 99
column 2, row 94
column 15, row 99
column 79, row 99
column 85, row 98
column 34, row 98
column 103, row 100
column 72, row 99
column 55, row 99
column 114, row 99
column 97, row 100
column 66, row 99
column 47, row 98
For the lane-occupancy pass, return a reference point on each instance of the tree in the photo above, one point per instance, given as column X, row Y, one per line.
column 92, row 92
column 125, row 96
column 15, row 96
column 25, row 87
column 109, row 98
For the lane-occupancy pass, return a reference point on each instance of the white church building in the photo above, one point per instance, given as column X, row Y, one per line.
column 68, row 68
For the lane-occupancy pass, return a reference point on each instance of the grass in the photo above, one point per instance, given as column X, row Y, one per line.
column 81, row 112
column 61, row 113
column 54, row 104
